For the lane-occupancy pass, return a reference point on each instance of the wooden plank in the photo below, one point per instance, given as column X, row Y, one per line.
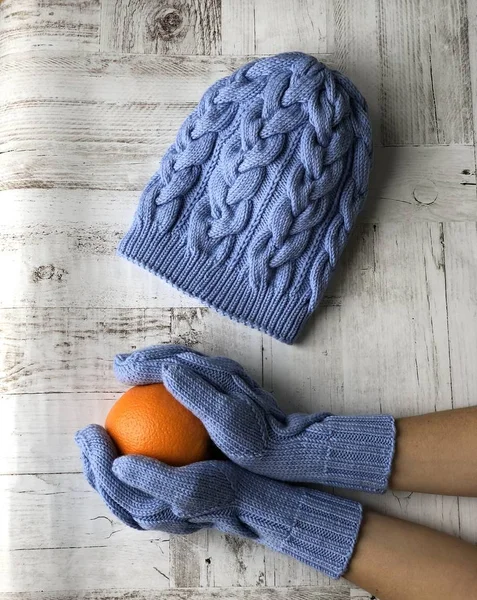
column 130, row 566
column 238, row 27
column 65, row 350
column 308, row 376
column 59, row 531
column 211, row 559
column 472, row 33
column 168, row 27
column 356, row 47
column 259, row 27
column 423, row 183
column 111, row 77
column 394, row 320
column 337, row 592
column 67, row 503
column 187, row 554
column 62, row 260
column 135, row 129
column 461, row 284
column 282, row 571
column 425, row 94
column 231, row 558
column 37, row 430
column 39, row 25
column 304, row 27
column 49, row 165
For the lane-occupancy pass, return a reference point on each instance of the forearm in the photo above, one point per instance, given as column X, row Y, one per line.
column 436, row 453
column 397, row 560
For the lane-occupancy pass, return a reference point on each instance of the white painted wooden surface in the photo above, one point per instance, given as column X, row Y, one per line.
column 91, row 93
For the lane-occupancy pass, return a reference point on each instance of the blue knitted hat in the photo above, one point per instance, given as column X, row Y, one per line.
column 253, row 203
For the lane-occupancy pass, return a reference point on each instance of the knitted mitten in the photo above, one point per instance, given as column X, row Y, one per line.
column 317, row 528
column 245, row 422
column 255, row 200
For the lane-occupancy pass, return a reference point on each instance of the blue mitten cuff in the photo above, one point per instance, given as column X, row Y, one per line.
column 358, row 454
column 335, row 522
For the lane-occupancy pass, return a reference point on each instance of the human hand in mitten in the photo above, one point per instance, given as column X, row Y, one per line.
column 247, row 425
column 317, row 528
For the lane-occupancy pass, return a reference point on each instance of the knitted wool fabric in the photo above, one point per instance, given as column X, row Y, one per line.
column 247, row 425
column 254, row 202
column 315, row 527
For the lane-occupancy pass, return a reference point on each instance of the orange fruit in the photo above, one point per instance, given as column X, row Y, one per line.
column 148, row 420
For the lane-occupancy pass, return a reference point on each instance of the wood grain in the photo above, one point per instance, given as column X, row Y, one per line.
column 238, row 27
column 37, row 430
column 72, row 350
column 258, row 27
column 66, row 499
column 303, row 30
column 131, row 566
column 461, row 285
column 422, row 183
column 395, row 283
column 337, row 592
column 58, row 525
column 59, row 257
column 166, row 27
column 309, row 377
column 425, row 95
column 40, row 25
column 356, row 51
column 472, row 32
column 112, row 78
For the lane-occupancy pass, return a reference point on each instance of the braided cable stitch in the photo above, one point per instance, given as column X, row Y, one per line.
column 254, row 202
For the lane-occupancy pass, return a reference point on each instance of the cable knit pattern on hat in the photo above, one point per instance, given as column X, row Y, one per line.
column 253, row 203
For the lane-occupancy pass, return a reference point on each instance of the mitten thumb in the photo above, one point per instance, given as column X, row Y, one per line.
column 192, row 491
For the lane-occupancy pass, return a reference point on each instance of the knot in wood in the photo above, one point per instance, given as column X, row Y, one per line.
column 168, row 22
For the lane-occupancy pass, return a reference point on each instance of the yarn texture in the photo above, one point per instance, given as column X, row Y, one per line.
column 245, row 422
column 254, row 202
column 317, row 528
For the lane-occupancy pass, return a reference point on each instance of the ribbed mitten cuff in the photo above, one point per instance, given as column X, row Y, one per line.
column 325, row 532
column 224, row 287
column 360, row 452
